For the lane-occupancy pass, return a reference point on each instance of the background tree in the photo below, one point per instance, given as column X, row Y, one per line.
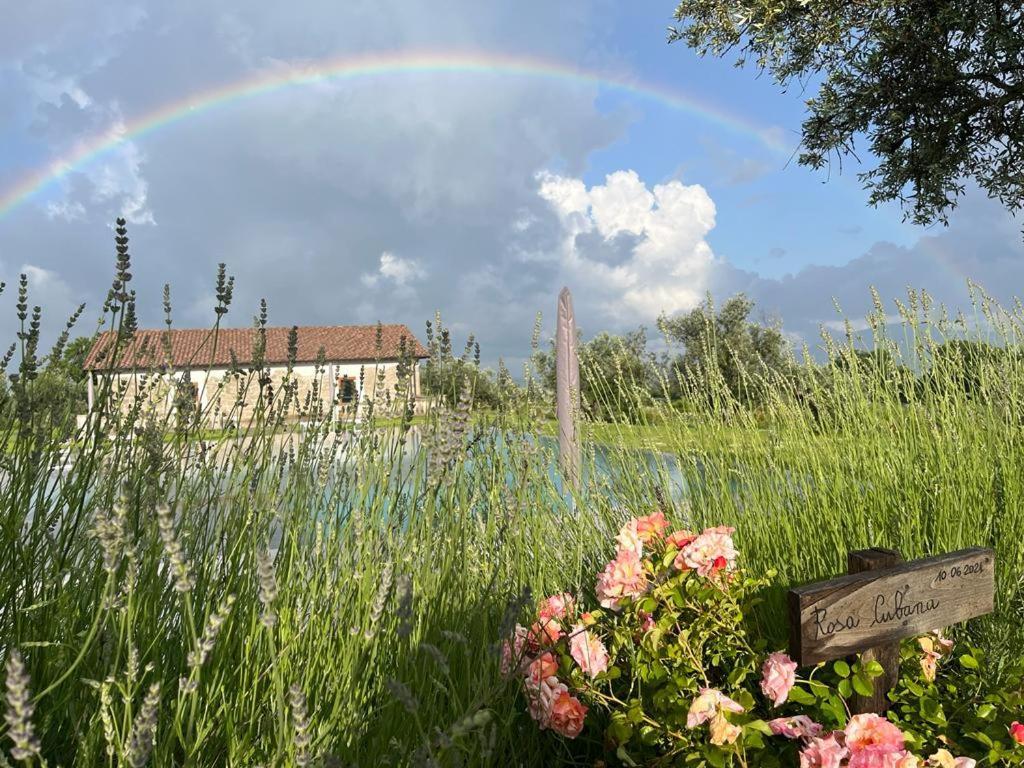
column 725, row 343
column 969, row 366
column 935, row 86
column 885, row 374
column 58, row 390
column 446, row 376
column 617, row 374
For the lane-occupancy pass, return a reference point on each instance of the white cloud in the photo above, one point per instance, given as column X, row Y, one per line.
column 400, row 272
column 859, row 325
column 38, row 277
column 118, row 178
column 64, row 209
column 668, row 262
column 49, row 290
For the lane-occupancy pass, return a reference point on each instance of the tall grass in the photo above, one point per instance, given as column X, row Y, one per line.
column 914, row 447
column 306, row 591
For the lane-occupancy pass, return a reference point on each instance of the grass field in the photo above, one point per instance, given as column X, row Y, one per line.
column 333, row 598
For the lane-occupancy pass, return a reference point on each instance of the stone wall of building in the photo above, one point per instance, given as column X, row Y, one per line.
column 231, row 398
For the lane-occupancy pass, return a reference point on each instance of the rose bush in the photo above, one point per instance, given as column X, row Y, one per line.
column 672, row 672
column 948, row 697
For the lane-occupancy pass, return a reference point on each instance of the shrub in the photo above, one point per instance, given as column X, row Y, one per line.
column 672, row 668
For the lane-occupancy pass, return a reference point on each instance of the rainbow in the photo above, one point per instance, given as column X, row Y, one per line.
column 358, row 67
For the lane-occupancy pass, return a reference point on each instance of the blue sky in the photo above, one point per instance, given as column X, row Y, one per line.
column 475, row 195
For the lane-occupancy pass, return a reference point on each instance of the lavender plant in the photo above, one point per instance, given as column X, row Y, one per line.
column 366, row 595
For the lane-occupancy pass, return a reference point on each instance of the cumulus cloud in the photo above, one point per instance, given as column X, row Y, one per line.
column 400, row 272
column 386, row 198
column 667, row 262
column 301, row 190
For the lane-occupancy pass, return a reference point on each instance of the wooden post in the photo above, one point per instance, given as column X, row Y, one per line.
column 887, row 654
column 567, row 390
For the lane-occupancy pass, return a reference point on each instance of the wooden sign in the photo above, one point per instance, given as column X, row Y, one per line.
column 875, row 608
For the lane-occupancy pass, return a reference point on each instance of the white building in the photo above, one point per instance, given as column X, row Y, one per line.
column 214, row 372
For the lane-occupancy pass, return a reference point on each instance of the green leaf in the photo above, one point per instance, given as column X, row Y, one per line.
column 623, row 755
column 649, row 735
column 760, row 726
column 968, row 662
column 799, row 696
column 873, row 669
column 753, row 739
column 981, row 738
column 985, row 711
column 619, row 731
column 635, row 714
column 845, row 689
column 841, row 668
column 862, row 685
column 715, row 757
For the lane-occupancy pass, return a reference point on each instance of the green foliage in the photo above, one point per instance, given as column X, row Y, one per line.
column 934, row 87
column 451, row 379
column 675, row 670
column 58, row 390
column 725, row 344
column 967, row 707
column 618, row 376
column 370, row 579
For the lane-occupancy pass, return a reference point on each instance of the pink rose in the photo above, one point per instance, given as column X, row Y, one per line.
column 796, row 727
column 778, row 676
column 823, row 753
column 944, row 645
column 514, row 658
column 1017, row 732
column 880, row 756
column 545, row 632
column 556, row 606
column 566, row 715
column 540, row 699
column 680, row 539
column 646, row 621
column 709, row 553
column 541, row 668
column 708, row 704
column 870, row 730
column 629, row 539
column 622, row 578
column 651, row 527
column 588, row 651
column 722, row 731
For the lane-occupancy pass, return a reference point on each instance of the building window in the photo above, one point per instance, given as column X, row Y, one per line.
column 346, row 389
column 186, row 397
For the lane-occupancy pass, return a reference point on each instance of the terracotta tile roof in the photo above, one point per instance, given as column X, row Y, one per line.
column 194, row 348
